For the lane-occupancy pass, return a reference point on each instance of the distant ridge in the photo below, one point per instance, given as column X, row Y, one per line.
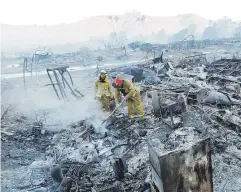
column 133, row 24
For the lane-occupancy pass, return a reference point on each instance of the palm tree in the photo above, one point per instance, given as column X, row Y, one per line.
column 143, row 22
column 116, row 18
column 111, row 19
column 210, row 22
column 139, row 23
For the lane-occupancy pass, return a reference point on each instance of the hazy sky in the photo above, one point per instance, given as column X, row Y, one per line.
column 65, row 11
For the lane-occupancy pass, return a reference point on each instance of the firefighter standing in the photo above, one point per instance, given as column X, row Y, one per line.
column 132, row 96
column 103, row 91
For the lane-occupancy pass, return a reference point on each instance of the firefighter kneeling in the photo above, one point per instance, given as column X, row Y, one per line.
column 132, row 96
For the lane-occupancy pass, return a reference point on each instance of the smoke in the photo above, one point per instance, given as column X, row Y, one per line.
column 96, row 121
column 43, row 104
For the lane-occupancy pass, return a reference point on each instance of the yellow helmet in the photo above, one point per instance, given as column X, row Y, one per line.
column 103, row 72
column 103, row 76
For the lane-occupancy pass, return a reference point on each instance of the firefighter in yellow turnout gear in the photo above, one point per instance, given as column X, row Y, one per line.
column 103, row 91
column 132, row 96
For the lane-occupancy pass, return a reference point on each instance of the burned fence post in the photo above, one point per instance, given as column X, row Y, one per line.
column 182, row 170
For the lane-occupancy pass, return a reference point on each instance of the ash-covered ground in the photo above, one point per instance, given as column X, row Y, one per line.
column 38, row 131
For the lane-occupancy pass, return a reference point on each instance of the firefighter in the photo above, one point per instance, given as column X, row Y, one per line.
column 131, row 94
column 103, row 92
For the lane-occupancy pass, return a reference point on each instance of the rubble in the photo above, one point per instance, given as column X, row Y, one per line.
column 185, row 102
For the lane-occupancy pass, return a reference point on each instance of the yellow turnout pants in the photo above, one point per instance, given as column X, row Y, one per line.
column 136, row 102
column 105, row 100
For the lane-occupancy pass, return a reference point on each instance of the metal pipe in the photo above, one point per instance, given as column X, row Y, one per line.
column 117, row 107
column 24, row 68
column 53, row 84
column 70, row 77
column 64, row 80
column 60, row 85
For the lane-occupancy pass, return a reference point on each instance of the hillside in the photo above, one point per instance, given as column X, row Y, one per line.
column 133, row 24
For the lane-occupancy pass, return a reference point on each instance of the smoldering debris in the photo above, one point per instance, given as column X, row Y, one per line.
column 187, row 104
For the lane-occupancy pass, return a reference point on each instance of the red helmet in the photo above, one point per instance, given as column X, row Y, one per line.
column 117, row 82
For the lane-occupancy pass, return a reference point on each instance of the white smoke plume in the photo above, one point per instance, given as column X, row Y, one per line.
column 42, row 103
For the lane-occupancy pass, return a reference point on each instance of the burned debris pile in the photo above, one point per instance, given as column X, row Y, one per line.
column 192, row 130
column 225, row 73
